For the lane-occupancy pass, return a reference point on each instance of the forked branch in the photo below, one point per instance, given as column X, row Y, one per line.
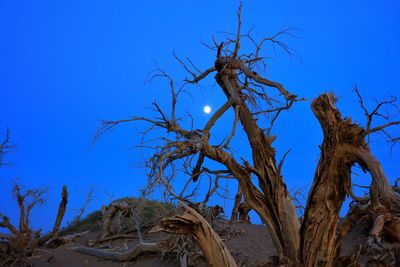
column 376, row 112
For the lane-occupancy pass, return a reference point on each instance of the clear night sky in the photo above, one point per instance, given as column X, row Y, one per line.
column 66, row 64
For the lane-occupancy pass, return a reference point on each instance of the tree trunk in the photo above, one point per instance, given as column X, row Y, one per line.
column 279, row 214
column 244, row 210
column 60, row 215
column 381, row 191
column 343, row 146
column 235, row 210
column 332, row 181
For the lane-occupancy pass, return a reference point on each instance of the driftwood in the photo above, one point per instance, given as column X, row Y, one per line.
column 192, row 223
column 140, row 249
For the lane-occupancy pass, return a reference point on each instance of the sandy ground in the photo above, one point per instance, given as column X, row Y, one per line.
column 249, row 244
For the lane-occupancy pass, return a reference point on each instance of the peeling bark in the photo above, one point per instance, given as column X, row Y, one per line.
column 331, row 183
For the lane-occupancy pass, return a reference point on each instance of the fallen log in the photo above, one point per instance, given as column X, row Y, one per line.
column 192, row 223
column 141, row 248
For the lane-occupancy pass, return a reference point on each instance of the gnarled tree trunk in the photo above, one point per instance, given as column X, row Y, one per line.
column 343, row 146
column 279, row 213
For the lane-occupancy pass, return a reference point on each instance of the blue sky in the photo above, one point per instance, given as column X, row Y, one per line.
column 66, row 64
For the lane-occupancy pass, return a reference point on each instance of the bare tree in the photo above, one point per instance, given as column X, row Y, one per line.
column 184, row 151
column 22, row 240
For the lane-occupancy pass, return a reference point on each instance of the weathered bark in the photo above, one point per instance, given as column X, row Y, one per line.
column 192, row 223
column 316, row 243
column 393, row 228
column 383, row 219
column 345, row 225
column 251, row 193
column 129, row 255
column 331, row 183
column 279, row 213
column 343, row 146
column 381, row 192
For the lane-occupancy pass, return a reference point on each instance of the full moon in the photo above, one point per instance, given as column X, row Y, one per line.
column 207, row 109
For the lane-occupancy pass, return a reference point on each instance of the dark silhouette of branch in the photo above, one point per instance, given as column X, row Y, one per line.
column 5, row 147
column 376, row 112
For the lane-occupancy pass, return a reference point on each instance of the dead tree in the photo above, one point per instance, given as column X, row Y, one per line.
column 343, row 146
column 314, row 240
column 22, row 240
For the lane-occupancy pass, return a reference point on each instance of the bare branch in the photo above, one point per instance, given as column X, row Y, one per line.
column 381, row 127
column 203, row 75
column 235, row 121
column 82, row 210
column 282, row 160
column 216, row 116
column 5, row 147
column 5, row 223
column 237, row 42
column 376, row 113
column 276, row 42
column 254, row 75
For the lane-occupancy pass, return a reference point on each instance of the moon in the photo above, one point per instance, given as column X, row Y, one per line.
column 207, row 109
